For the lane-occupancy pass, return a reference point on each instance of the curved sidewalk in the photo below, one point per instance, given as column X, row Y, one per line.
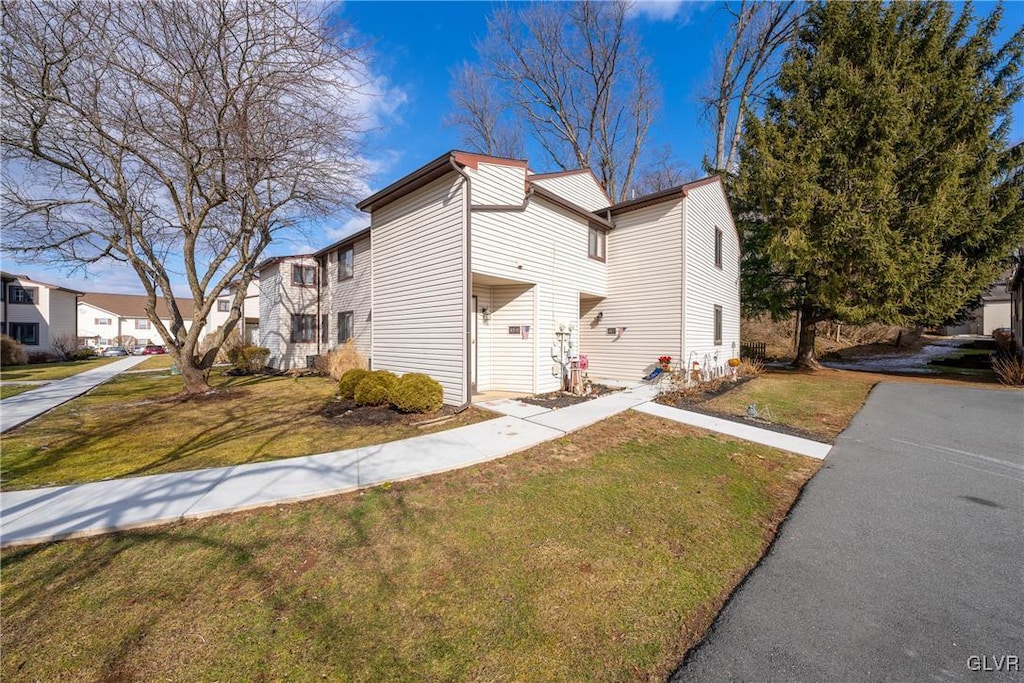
column 21, row 408
column 48, row 514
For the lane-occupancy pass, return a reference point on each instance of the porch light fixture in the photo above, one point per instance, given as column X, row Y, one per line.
column 486, row 313
column 600, row 315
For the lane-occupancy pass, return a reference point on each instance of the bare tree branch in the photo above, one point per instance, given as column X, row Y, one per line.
column 173, row 134
column 573, row 76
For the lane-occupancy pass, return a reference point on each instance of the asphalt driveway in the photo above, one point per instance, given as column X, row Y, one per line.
column 903, row 559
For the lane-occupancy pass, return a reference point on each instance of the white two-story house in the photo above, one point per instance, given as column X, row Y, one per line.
column 489, row 277
column 36, row 313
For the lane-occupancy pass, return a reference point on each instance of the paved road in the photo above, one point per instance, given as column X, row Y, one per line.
column 903, row 559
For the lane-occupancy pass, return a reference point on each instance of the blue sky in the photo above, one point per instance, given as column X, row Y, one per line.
column 414, row 46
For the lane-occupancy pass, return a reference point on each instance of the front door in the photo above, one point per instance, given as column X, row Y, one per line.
column 474, row 346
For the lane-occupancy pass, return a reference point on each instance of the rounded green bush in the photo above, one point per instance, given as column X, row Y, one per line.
column 374, row 389
column 350, row 380
column 417, row 393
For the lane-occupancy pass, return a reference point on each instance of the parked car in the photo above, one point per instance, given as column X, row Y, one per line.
column 1003, row 336
column 115, row 351
column 152, row 350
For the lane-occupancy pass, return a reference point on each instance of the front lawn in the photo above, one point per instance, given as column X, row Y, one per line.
column 8, row 390
column 603, row 555
column 160, row 361
column 135, row 425
column 45, row 372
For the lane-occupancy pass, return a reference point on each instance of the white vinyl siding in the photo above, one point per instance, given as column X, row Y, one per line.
column 271, row 310
column 546, row 247
column 352, row 294
column 419, row 286
column 708, row 286
column 644, row 295
column 582, row 189
column 280, row 299
column 498, row 184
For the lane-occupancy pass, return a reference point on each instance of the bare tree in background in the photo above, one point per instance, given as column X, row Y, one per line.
column 663, row 172
column 173, row 135
column 747, row 67
column 574, row 78
column 480, row 116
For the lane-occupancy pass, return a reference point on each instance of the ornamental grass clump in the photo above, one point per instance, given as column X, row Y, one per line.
column 350, row 380
column 338, row 361
column 417, row 393
column 1009, row 369
column 375, row 388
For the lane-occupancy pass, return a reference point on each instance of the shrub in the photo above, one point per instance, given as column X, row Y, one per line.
column 11, row 351
column 1009, row 369
column 249, row 358
column 337, row 362
column 417, row 393
column 231, row 343
column 64, row 345
column 84, row 354
column 350, row 380
column 35, row 357
column 375, row 388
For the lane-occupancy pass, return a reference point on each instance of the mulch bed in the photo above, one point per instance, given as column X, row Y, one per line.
column 345, row 413
column 562, row 399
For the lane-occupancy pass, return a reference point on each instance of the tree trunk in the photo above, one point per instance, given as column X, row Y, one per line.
column 194, row 379
column 805, row 343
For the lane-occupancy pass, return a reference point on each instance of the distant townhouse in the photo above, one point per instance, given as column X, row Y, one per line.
column 105, row 318
column 249, row 321
column 487, row 276
column 36, row 313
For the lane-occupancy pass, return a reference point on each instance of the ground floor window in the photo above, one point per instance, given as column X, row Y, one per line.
column 325, row 321
column 303, row 328
column 718, row 325
column 25, row 333
column 344, row 327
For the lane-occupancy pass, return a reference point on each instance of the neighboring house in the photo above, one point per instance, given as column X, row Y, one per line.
column 35, row 313
column 993, row 312
column 1015, row 289
column 249, row 323
column 102, row 318
column 489, row 277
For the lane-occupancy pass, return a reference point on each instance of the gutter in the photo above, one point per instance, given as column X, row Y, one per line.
column 468, row 303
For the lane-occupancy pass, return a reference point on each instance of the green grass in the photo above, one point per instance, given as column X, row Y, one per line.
column 8, row 390
column 135, row 425
column 820, row 403
column 50, row 371
column 158, row 362
column 601, row 556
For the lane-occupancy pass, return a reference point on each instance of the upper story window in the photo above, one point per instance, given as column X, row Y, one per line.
column 103, row 321
column 346, row 263
column 142, row 324
column 304, row 276
column 718, row 247
column 223, row 306
column 596, row 244
column 16, row 294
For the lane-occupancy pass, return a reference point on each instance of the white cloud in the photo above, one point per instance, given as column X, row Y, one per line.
column 667, row 10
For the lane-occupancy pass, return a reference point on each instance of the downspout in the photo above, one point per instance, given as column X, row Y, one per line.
column 468, row 303
column 682, row 283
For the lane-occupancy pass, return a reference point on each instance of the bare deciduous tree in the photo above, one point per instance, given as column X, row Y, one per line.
column 663, row 172
column 575, row 78
column 746, row 68
column 176, row 137
column 480, row 117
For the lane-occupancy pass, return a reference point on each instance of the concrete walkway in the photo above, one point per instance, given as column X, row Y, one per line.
column 39, row 515
column 21, row 408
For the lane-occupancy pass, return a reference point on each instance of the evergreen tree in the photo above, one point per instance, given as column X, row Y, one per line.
column 879, row 184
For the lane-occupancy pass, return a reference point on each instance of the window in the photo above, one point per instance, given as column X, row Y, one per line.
column 304, row 276
column 345, row 263
column 325, row 321
column 718, row 247
column 141, row 324
column 718, row 325
column 26, row 333
column 344, row 327
column 595, row 247
column 223, row 306
column 303, row 328
column 22, row 295
column 103, row 321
